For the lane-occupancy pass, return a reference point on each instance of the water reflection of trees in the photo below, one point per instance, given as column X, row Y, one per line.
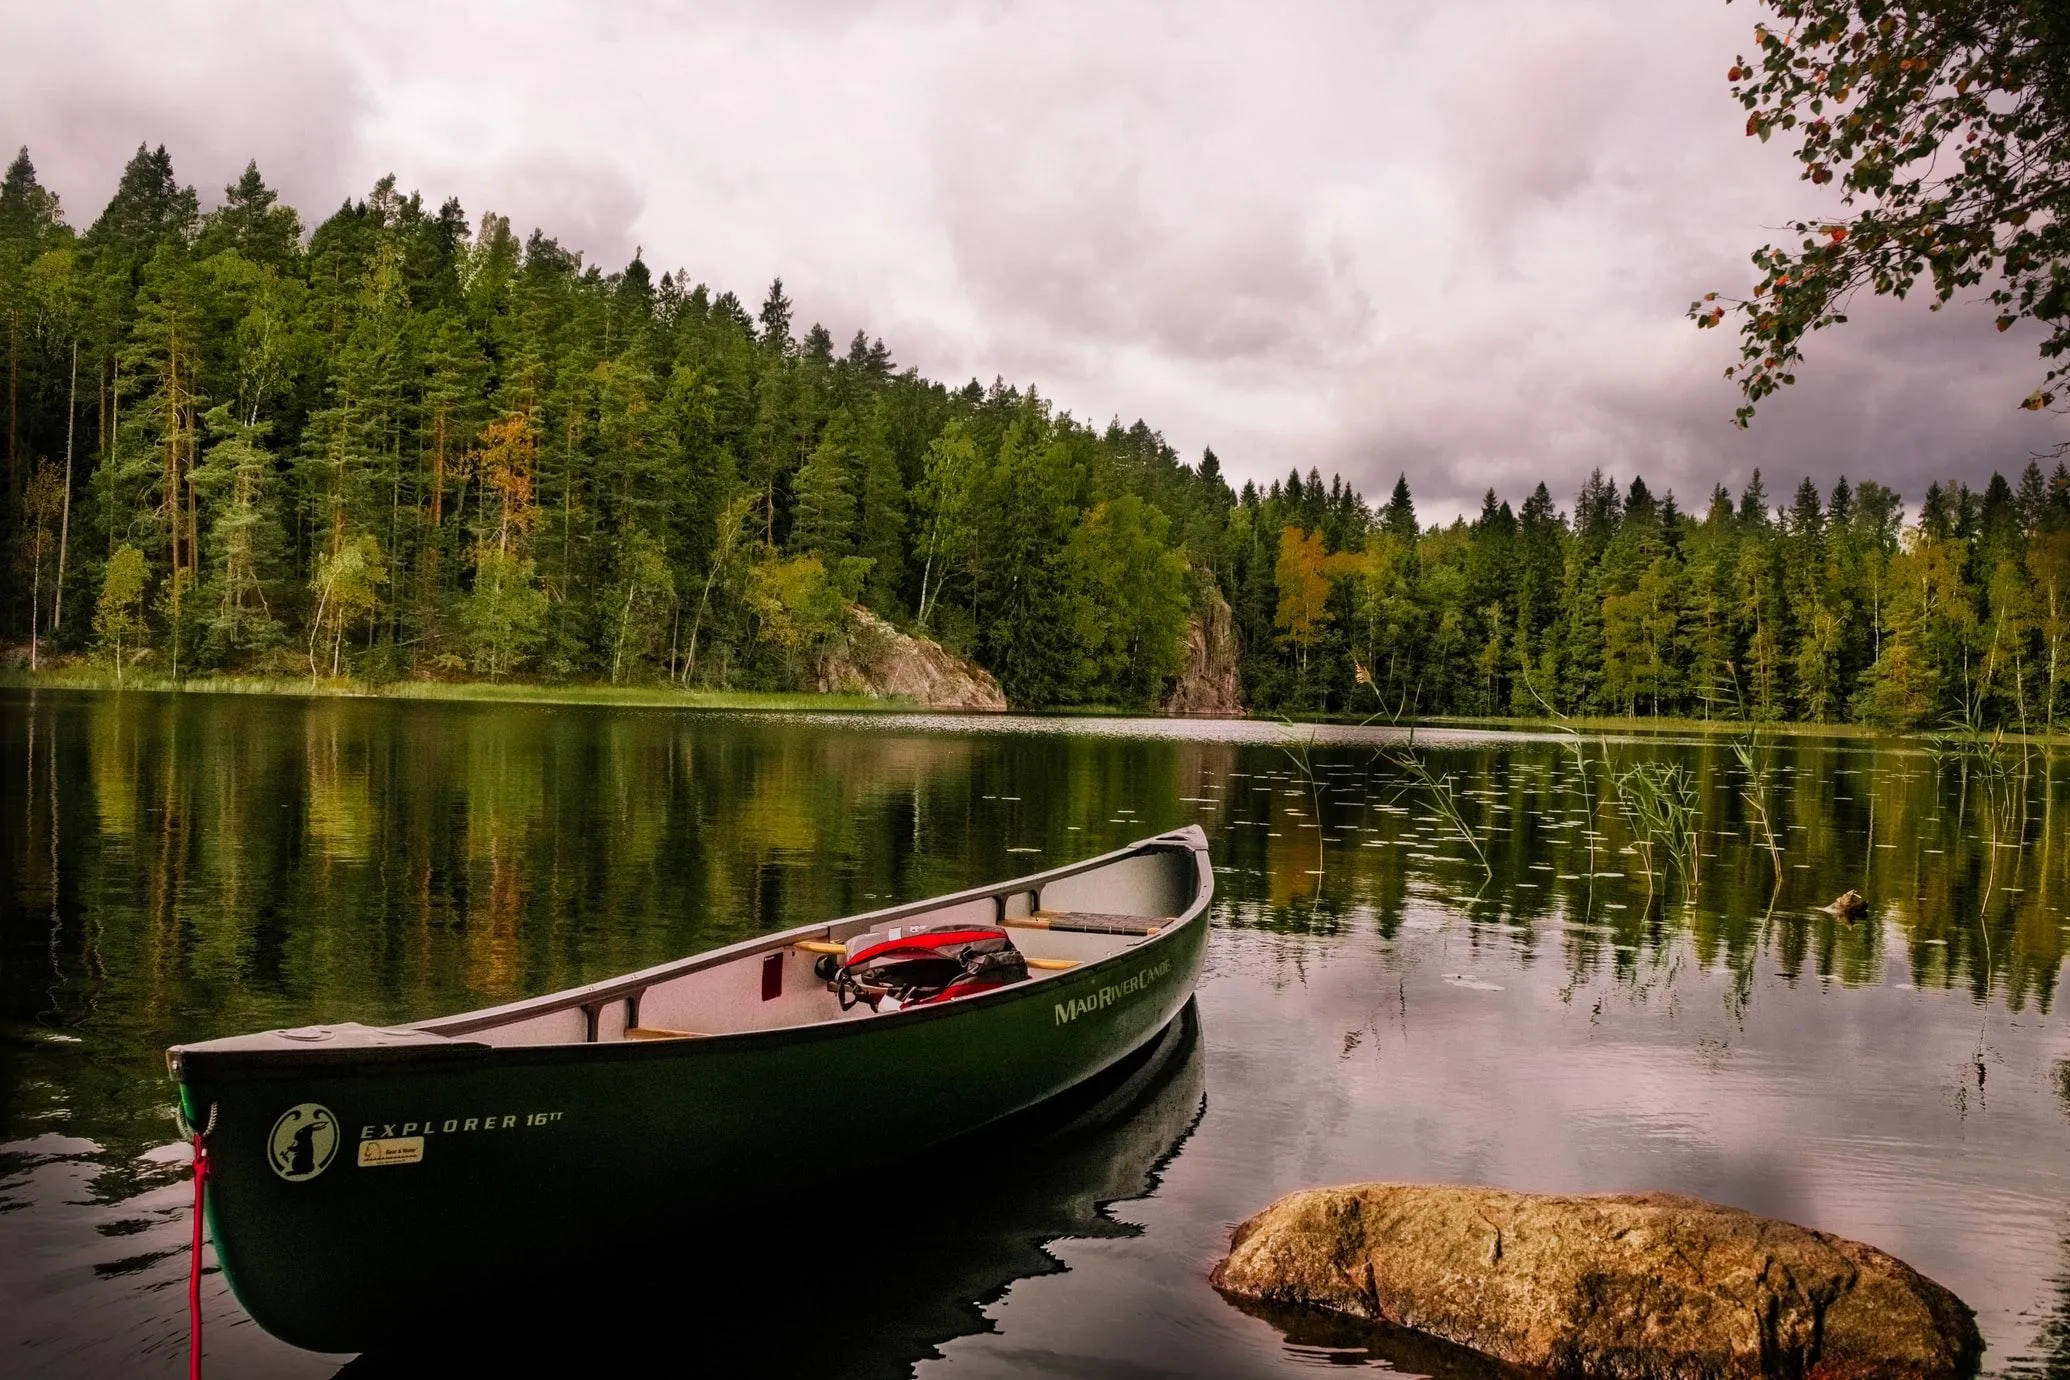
column 193, row 865
column 1962, row 895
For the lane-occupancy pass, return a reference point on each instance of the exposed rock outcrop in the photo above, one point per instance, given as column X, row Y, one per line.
column 1640, row 1287
column 874, row 658
column 1209, row 684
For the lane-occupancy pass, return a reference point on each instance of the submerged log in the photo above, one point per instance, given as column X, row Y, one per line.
column 1849, row 905
column 1639, row 1287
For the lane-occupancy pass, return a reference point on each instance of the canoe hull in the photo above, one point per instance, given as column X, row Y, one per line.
column 437, row 1162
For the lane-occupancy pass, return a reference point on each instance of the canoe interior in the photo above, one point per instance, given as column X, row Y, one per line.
column 772, row 986
column 773, row 989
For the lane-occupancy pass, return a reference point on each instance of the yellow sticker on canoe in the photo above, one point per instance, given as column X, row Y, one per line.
column 396, row 1150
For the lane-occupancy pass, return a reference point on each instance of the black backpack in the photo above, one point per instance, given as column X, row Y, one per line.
column 918, row 965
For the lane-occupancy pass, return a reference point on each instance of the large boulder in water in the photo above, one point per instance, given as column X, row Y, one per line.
column 1633, row 1286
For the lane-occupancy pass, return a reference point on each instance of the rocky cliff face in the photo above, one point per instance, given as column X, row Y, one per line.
column 874, row 658
column 1646, row 1286
column 1208, row 684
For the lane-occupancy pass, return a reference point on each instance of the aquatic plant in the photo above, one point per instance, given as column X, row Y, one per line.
column 1438, row 790
column 1577, row 748
column 1984, row 758
column 1756, row 785
column 1442, row 796
column 1963, row 746
column 1658, row 803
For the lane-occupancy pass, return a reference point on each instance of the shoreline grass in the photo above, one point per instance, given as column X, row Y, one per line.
column 98, row 679
column 501, row 692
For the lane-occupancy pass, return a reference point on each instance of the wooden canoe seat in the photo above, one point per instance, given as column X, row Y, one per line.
column 655, row 1032
column 1086, row 922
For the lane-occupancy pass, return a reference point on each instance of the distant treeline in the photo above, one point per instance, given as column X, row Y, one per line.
column 407, row 446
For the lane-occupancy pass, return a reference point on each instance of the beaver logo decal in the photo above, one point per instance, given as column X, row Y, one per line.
column 303, row 1142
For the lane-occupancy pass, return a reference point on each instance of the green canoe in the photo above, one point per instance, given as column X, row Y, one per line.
column 357, row 1175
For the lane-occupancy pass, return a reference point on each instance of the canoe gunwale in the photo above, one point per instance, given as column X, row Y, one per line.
column 1191, row 838
column 339, row 1058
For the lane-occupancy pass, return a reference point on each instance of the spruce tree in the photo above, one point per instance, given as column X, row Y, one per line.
column 1398, row 518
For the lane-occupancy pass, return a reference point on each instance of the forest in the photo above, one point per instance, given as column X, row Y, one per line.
column 404, row 445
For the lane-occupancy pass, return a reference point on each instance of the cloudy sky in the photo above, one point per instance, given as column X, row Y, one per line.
column 1455, row 240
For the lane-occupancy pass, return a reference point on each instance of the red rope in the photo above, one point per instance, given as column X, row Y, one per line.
column 194, row 1270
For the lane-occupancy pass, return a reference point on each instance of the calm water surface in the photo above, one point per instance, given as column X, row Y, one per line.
column 1375, row 1005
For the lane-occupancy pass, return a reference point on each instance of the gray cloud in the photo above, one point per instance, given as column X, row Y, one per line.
column 82, row 88
column 1066, row 231
column 592, row 208
column 1453, row 240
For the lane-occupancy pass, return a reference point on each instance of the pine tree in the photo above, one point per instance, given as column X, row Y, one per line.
column 880, row 517
column 29, row 211
column 30, row 224
column 1026, row 507
column 236, row 476
column 823, row 518
column 505, row 614
column 253, row 222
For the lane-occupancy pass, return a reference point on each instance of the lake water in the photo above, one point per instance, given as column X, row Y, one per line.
column 1376, row 1003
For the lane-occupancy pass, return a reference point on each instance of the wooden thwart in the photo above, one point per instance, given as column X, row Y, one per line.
column 655, row 1032
column 1054, row 965
column 1084, row 922
column 819, row 946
